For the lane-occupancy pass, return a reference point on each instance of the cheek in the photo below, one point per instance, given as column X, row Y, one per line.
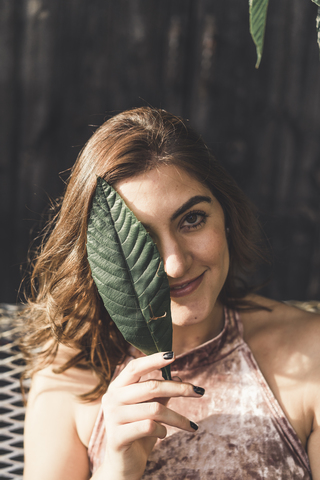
column 225, row 259
column 214, row 248
column 217, row 258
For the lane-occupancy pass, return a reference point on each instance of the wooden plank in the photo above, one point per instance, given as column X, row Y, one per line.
column 68, row 65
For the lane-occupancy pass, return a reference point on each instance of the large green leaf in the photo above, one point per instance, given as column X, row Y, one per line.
column 258, row 18
column 129, row 273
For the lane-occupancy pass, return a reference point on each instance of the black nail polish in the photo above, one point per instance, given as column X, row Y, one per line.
column 168, row 355
column 194, row 425
column 199, row 390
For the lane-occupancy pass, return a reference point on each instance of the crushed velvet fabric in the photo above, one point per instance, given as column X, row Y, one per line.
column 243, row 433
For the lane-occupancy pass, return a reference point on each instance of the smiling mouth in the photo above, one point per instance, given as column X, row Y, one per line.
column 186, row 288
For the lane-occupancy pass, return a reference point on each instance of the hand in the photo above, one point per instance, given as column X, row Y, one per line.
column 135, row 413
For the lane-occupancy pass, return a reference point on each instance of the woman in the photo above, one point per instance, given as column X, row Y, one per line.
column 244, row 401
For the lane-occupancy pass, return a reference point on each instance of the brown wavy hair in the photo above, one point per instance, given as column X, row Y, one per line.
column 64, row 306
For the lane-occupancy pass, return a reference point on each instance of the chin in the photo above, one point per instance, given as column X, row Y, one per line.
column 186, row 317
column 186, row 322
column 196, row 314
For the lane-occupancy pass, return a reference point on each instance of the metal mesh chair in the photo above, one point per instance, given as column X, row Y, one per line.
column 12, row 410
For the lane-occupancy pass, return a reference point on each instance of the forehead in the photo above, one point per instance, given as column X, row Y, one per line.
column 157, row 194
column 166, row 181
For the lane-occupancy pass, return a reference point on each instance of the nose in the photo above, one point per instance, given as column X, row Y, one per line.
column 176, row 258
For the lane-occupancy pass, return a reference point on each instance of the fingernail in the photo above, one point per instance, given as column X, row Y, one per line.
column 168, row 355
column 199, row 390
column 194, row 425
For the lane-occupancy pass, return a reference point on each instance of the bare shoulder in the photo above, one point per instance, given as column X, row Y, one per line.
column 58, row 424
column 285, row 343
column 282, row 325
column 75, row 381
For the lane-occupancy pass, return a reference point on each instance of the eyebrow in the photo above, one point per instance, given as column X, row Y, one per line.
column 188, row 204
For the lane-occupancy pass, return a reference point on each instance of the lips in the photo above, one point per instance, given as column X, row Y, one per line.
column 182, row 289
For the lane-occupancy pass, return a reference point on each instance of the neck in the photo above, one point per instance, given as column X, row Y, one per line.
column 188, row 337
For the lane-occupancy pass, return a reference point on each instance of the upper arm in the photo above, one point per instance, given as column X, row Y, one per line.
column 55, row 432
column 314, row 453
column 53, row 450
column 314, row 438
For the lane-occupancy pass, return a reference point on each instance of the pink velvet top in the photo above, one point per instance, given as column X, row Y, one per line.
column 243, row 432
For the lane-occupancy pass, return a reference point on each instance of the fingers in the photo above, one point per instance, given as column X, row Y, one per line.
column 126, row 389
column 142, row 366
column 153, row 411
column 136, row 411
column 126, row 434
column 136, row 422
column 151, row 389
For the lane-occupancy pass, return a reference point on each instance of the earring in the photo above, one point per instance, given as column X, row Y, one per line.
column 228, row 230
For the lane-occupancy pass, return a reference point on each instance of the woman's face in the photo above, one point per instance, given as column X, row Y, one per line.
column 187, row 223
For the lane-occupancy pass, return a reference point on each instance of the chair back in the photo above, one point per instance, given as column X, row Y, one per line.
column 12, row 409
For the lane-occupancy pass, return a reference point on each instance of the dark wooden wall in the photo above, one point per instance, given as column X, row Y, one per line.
column 66, row 65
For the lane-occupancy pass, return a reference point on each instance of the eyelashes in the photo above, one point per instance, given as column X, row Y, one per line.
column 194, row 220
column 190, row 222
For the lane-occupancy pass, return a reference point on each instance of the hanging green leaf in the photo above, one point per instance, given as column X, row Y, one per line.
column 317, row 2
column 258, row 18
column 318, row 26
column 129, row 273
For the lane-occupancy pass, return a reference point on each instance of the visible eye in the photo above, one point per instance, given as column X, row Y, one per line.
column 194, row 220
